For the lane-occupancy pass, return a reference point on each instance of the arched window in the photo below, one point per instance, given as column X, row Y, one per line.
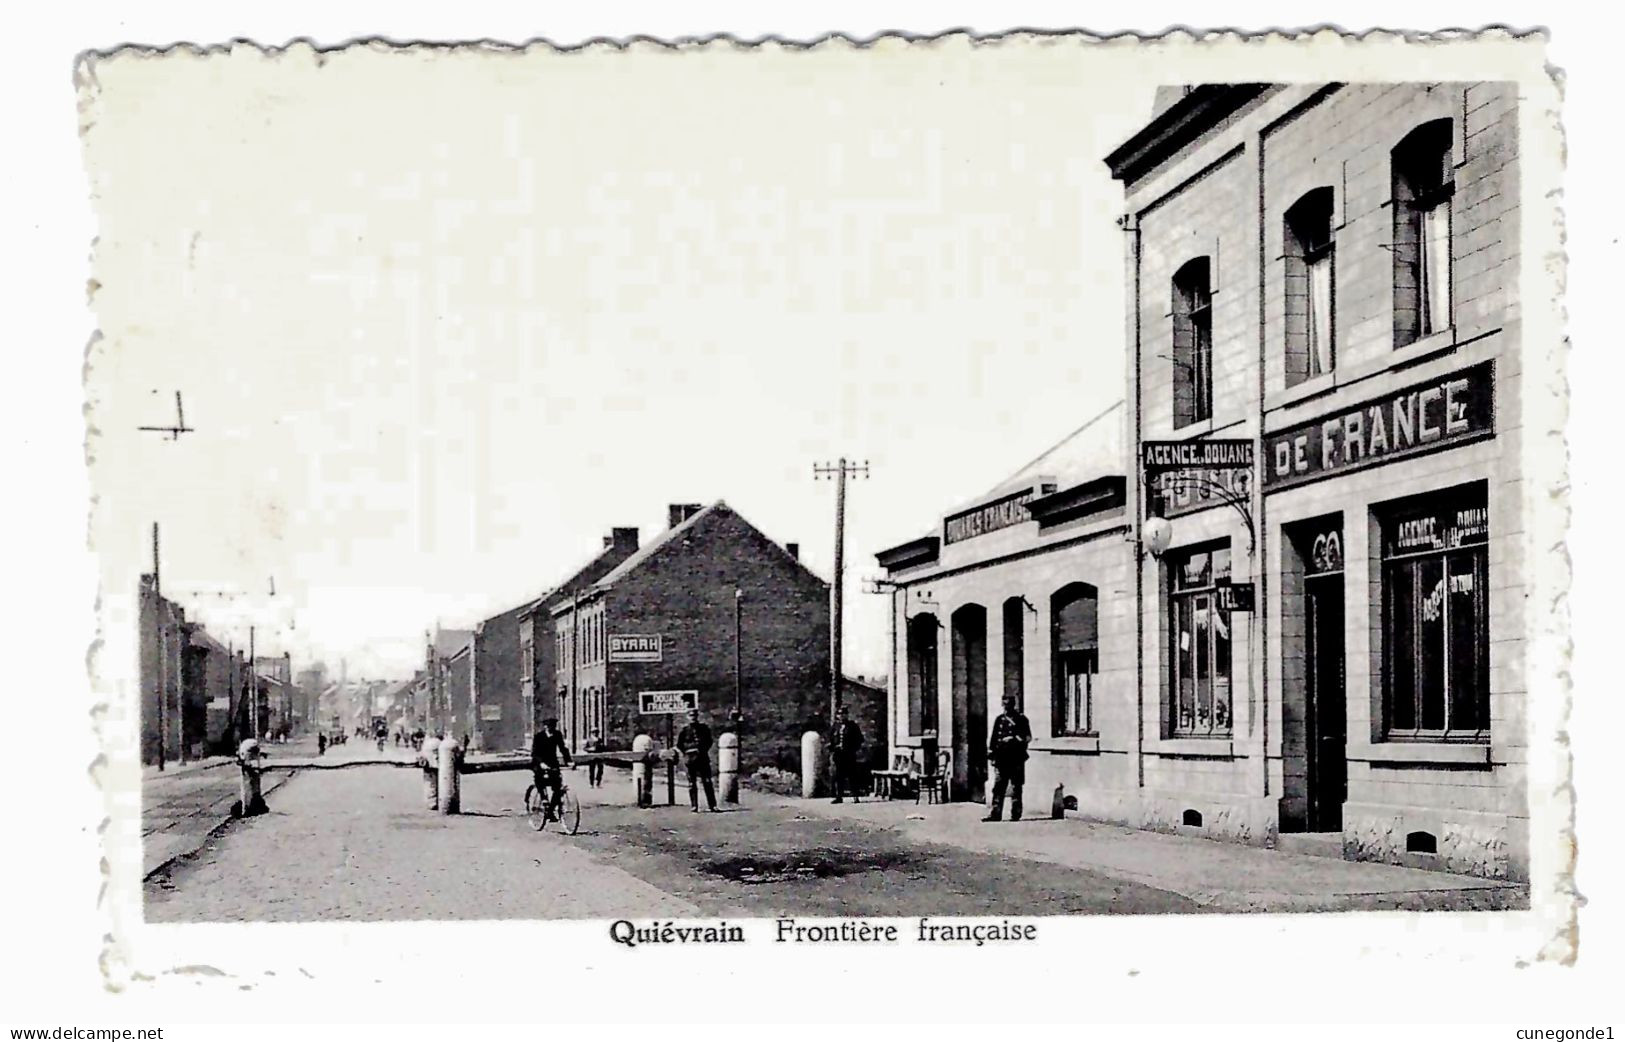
column 1309, row 287
column 1075, row 653
column 1193, row 343
column 1423, row 182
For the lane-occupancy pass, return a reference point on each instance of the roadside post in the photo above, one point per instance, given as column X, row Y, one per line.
column 450, row 785
column 429, row 760
column 248, row 756
column 642, row 749
column 728, row 766
column 812, row 762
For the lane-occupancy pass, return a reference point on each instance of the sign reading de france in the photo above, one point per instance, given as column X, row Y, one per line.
column 658, row 702
column 1457, row 407
column 634, row 647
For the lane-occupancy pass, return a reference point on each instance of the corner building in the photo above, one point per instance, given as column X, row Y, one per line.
column 1323, row 283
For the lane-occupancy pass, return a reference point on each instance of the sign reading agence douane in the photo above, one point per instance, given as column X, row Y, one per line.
column 1453, row 408
column 634, row 647
column 667, row 701
column 1183, row 477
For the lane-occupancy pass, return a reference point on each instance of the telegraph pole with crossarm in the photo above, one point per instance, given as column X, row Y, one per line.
column 838, row 472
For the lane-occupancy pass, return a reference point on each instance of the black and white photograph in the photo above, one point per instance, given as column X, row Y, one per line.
column 753, row 508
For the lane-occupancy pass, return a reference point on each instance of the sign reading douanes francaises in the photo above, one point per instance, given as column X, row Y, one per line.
column 1447, row 410
column 989, row 517
column 634, row 647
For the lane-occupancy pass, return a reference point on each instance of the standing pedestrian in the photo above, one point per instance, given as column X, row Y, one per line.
column 321, row 743
column 845, row 739
column 1007, row 749
column 694, row 742
column 595, row 768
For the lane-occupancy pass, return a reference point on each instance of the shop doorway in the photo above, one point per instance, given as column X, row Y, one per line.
column 1326, row 707
column 970, row 703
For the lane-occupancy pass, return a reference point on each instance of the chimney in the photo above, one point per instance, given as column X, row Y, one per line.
column 794, row 549
column 677, row 513
column 624, row 538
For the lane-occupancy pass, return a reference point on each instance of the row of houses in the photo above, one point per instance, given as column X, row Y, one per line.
column 1279, row 594
column 710, row 609
column 197, row 695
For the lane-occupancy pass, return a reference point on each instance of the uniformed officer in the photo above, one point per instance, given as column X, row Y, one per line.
column 1007, row 750
column 694, row 742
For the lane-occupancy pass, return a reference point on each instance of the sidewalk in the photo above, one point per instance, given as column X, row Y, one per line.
column 1224, row 876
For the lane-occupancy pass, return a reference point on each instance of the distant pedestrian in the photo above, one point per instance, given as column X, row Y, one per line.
column 844, row 742
column 1007, row 749
column 321, row 744
column 694, row 742
column 595, row 768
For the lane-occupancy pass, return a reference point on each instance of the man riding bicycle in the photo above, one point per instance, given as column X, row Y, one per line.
column 548, row 756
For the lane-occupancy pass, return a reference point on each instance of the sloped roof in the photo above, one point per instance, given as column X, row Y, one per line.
column 449, row 642
column 648, row 550
column 1092, row 451
column 674, row 533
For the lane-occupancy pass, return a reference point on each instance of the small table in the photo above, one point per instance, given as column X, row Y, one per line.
column 890, row 784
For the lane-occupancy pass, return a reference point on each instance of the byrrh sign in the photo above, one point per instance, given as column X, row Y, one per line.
column 1455, row 408
column 634, row 647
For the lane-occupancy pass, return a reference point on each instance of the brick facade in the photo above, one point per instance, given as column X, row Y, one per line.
column 498, row 723
column 682, row 589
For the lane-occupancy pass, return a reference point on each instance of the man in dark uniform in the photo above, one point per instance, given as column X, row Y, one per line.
column 694, row 742
column 844, row 742
column 548, row 755
column 1007, row 750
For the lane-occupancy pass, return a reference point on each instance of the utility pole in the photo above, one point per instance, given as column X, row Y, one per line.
column 839, row 473
column 739, row 601
column 158, row 618
column 253, row 687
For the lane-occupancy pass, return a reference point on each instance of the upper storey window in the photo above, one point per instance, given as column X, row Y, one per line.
column 1310, row 333
column 1193, row 343
column 1423, row 184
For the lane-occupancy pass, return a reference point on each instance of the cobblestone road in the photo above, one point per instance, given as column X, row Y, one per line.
column 358, row 844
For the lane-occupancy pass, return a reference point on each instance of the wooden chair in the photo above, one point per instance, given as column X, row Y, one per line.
column 933, row 783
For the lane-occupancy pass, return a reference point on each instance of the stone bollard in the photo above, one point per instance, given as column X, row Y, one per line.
column 812, row 763
column 248, row 757
column 451, row 790
column 429, row 760
column 728, row 766
column 642, row 746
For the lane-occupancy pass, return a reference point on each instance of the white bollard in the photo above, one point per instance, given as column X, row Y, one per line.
column 728, row 766
column 451, row 755
column 248, row 756
column 642, row 745
column 812, row 763
column 428, row 758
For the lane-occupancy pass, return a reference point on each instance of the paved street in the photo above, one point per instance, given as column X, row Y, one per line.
column 358, row 844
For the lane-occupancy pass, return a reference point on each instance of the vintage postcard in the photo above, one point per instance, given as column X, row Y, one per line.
column 849, row 506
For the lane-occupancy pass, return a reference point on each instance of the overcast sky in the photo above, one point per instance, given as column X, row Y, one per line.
column 442, row 320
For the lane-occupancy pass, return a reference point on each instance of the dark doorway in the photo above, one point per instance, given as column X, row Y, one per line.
column 1327, row 712
column 970, row 703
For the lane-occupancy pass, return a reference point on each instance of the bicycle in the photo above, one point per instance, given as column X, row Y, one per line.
column 564, row 809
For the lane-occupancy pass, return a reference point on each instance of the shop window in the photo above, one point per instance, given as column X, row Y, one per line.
column 922, row 674
column 1193, row 343
column 1309, row 287
column 1199, row 652
column 1423, row 182
column 1435, row 611
column 1015, row 640
column 1075, row 651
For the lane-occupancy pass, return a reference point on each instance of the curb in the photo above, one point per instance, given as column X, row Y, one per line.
column 213, row 831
